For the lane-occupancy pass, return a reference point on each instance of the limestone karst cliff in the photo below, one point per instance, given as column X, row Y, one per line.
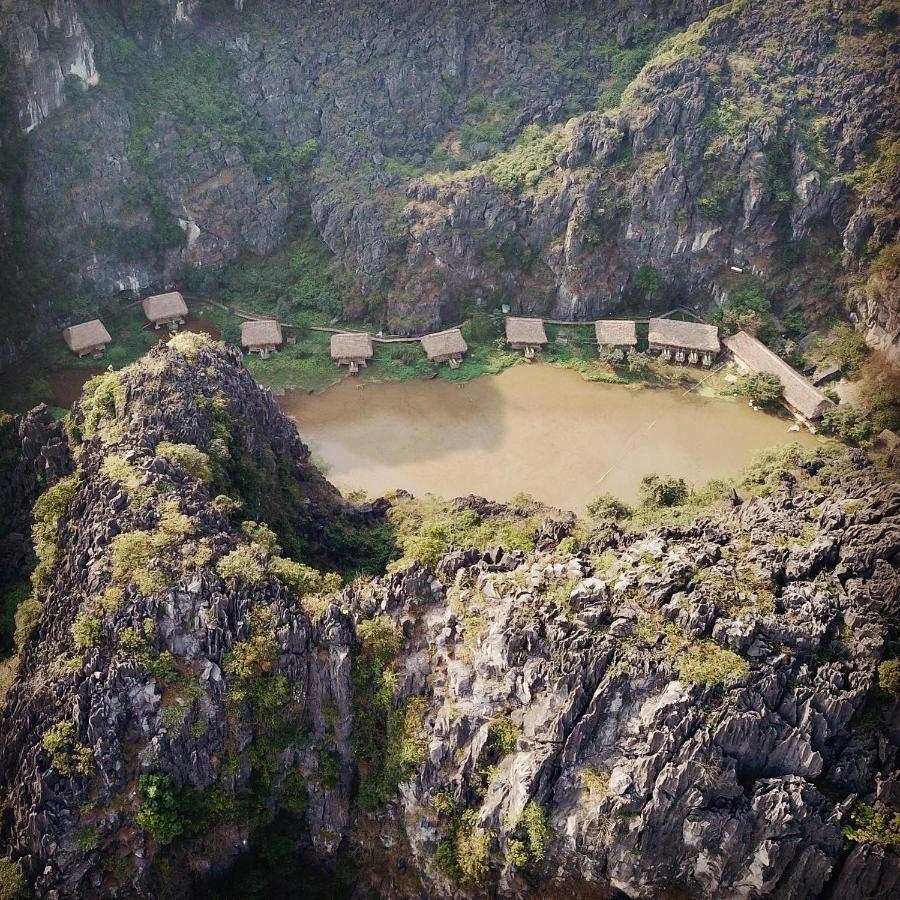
column 564, row 158
column 703, row 711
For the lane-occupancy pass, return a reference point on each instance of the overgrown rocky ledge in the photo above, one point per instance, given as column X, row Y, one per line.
column 709, row 710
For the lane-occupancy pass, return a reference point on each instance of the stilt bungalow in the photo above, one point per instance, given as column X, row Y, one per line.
column 165, row 309
column 684, row 342
column 525, row 334
column 87, row 339
column 353, row 350
column 752, row 356
column 445, row 346
column 262, row 336
column 616, row 334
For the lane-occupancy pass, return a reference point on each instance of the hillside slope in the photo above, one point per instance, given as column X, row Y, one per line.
column 570, row 159
column 696, row 710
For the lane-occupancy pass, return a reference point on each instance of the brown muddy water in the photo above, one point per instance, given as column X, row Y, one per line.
column 533, row 428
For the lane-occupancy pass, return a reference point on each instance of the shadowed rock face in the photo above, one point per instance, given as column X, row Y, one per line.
column 729, row 149
column 693, row 708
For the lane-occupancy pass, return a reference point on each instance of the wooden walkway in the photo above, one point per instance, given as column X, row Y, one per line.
column 248, row 316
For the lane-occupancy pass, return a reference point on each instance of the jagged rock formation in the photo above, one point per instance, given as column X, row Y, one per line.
column 730, row 147
column 33, row 455
column 695, row 709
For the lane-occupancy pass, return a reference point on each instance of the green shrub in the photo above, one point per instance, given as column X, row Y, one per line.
column 530, row 157
column 67, row 755
column 294, row 796
column 134, row 551
column 259, row 533
column 472, row 848
column 12, row 882
column 533, row 834
column 647, row 280
column 159, row 813
column 190, row 343
column 889, row 676
column 86, row 838
column 48, row 509
column 847, row 347
column 849, row 424
column 656, row 491
column 120, row 471
column 747, row 309
column 27, row 617
column 193, row 460
column 136, row 643
column 596, row 781
column 241, row 563
column 763, row 389
column 608, row 507
column 504, row 735
column 303, row 579
column 638, row 363
column 388, row 743
column 871, row 826
column 98, row 402
column 87, row 631
column 707, row 663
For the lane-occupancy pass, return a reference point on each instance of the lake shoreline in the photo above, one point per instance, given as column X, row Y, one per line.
column 535, row 428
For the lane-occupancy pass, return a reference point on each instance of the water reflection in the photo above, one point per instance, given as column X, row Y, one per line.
column 533, row 428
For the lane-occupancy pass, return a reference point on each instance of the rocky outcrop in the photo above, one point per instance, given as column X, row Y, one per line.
column 649, row 776
column 33, row 456
column 695, row 708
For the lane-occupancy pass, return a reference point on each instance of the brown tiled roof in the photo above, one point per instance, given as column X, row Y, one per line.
column 617, row 332
column 164, row 306
column 444, row 343
column 261, row 333
column 351, row 346
column 798, row 392
column 86, row 335
column 525, row 331
column 689, row 335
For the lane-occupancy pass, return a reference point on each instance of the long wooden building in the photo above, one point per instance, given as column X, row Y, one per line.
column 801, row 397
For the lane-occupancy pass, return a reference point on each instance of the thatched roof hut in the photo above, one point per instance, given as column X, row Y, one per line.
column 352, row 350
column 524, row 333
column 671, row 333
column 616, row 333
column 445, row 346
column 755, row 357
column 261, row 335
column 88, row 337
column 165, row 309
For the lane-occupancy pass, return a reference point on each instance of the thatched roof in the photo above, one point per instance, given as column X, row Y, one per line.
column 616, row 332
column 161, row 307
column 86, row 335
column 444, row 343
column 261, row 333
column 525, row 331
column 799, row 394
column 351, row 346
column 688, row 335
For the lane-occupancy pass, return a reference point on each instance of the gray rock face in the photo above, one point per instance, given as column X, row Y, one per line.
column 708, row 161
column 35, row 456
